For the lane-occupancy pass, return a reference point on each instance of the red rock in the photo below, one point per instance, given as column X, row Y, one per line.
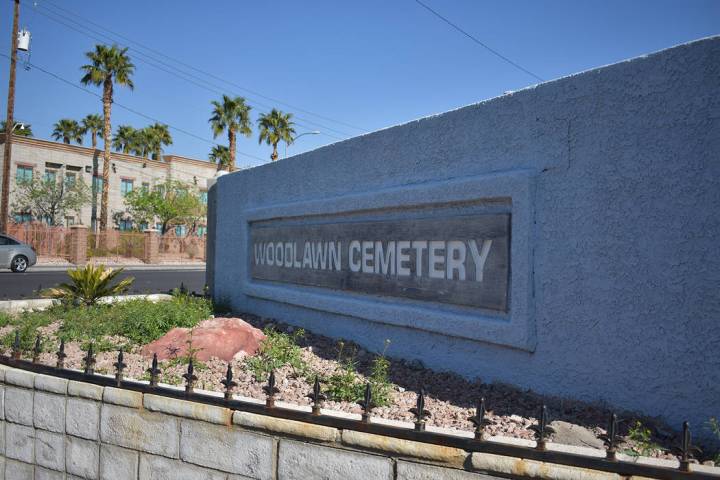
column 224, row 338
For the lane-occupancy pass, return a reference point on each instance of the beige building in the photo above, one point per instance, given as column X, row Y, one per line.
column 31, row 157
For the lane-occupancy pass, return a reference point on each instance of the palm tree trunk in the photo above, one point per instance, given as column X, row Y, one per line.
column 274, row 155
column 231, row 138
column 107, row 102
column 93, row 136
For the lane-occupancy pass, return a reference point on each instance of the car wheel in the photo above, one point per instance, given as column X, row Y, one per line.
column 19, row 264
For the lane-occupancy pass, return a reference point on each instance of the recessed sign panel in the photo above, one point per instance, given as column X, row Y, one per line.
column 460, row 260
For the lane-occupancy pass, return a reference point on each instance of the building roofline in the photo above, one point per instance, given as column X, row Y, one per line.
column 191, row 161
column 89, row 151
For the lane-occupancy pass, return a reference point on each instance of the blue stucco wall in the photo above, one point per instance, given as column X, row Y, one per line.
column 613, row 180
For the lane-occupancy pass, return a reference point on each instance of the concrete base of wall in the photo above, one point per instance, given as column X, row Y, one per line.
column 55, row 428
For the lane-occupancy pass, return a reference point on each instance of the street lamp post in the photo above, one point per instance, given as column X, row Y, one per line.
column 314, row 132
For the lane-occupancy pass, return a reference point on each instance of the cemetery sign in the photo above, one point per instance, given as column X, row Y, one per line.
column 462, row 260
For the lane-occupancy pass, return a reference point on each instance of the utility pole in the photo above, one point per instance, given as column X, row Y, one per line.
column 9, row 122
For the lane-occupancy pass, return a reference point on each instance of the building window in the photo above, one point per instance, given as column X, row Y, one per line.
column 69, row 221
column 125, row 225
column 24, row 174
column 143, row 226
column 126, row 186
column 201, row 231
column 97, row 184
column 180, row 230
column 50, row 176
column 203, row 197
column 70, row 178
column 145, row 187
column 23, row 217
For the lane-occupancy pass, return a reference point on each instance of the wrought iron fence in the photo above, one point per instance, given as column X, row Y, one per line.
column 479, row 443
column 46, row 240
column 174, row 248
column 114, row 245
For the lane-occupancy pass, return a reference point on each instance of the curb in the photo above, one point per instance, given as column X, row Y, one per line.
column 64, row 268
column 13, row 306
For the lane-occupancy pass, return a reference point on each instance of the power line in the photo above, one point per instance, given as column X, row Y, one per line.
column 204, row 72
column 144, row 58
column 132, row 110
column 474, row 39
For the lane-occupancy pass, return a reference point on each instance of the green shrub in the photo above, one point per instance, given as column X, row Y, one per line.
column 345, row 384
column 714, row 425
column 88, row 284
column 27, row 323
column 641, row 438
column 277, row 350
column 140, row 321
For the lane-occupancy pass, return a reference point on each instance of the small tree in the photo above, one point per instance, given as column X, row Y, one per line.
column 171, row 203
column 50, row 199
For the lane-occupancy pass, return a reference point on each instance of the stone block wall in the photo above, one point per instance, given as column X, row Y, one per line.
column 53, row 428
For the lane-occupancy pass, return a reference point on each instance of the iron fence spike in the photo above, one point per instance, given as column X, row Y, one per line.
column 190, row 378
column 270, row 390
column 16, row 346
column 154, row 371
column 479, row 420
column 686, row 451
column 90, row 361
column 542, row 429
column 367, row 403
column 228, row 382
column 36, row 350
column 610, row 439
column 60, row 354
column 316, row 396
column 119, row 367
column 419, row 411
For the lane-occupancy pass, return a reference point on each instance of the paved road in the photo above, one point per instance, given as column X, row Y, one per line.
column 15, row 286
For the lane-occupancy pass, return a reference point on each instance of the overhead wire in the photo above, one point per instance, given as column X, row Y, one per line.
column 204, row 72
column 132, row 110
column 174, row 71
column 476, row 40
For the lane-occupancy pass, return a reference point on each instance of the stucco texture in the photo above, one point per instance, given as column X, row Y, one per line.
column 615, row 289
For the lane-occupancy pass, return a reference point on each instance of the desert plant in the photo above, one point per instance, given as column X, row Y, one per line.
column 641, row 441
column 379, row 378
column 714, row 425
column 344, row 385
column 89, row 284
column 277, row 350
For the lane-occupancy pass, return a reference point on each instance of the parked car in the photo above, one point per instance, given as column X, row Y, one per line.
column 15, row 255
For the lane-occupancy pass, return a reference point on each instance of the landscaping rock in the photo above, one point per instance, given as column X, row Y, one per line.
column 224, row 338
column 570, row 434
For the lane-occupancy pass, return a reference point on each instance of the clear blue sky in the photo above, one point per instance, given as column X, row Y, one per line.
column 369, row 64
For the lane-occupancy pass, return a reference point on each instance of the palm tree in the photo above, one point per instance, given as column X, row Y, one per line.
column 92, row 124
column 220, row 154
column 276, row 127
column 69, row 130
column 108, row 65
column 123, row 139
column 25, row 131
column 159, row 135
column 233, row 115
